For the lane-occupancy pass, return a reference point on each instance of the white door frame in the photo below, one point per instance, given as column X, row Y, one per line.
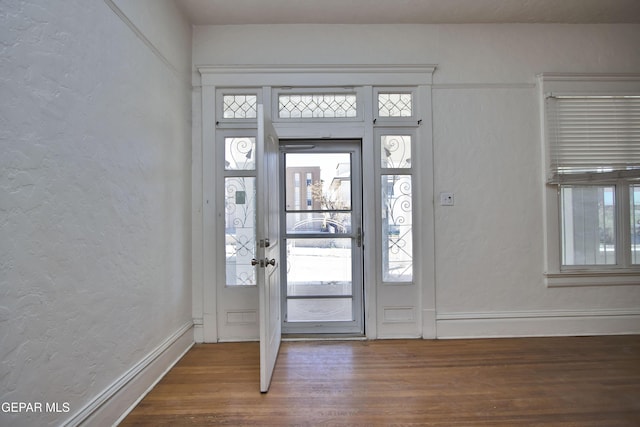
column 355, row 327
column 206, row 206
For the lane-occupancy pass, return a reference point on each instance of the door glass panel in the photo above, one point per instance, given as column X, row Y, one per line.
column 319, row 181
column 319, row 222
column 240, row 223
column 320, row 310
column 397, row 228
column 319, row 266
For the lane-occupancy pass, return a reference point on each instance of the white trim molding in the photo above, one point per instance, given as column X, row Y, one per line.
column 316, row 75
column 116, row 401
column 605, row 278
column 507, row 324
column 184, row 78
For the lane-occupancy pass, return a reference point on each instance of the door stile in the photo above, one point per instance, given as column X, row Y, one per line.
column 267, row 261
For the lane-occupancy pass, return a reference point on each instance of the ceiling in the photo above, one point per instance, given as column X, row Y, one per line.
column 239, row 12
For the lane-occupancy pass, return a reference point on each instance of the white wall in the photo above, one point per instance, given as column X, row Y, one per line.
column 489, row 246
column 95, row 250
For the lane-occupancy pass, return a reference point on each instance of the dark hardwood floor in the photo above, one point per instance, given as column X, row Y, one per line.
column 567, row 381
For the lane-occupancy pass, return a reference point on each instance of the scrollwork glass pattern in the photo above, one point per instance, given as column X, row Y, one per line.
column 395, row 105
column 239, row 153
column 397, row 228
column 240, row 223
column 395, row 151
column 239, row 106
column 318, row 105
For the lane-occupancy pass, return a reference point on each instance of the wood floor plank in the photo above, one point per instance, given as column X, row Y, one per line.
column 577, row 381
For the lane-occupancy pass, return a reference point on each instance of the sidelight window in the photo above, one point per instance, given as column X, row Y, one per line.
column 396, row 204
column 240, row 210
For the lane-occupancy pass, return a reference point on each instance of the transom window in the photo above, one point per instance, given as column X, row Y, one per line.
column 395, row 104
column 317, row 105
column 239, row 106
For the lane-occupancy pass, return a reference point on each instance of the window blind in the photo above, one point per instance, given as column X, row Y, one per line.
column 589, row 135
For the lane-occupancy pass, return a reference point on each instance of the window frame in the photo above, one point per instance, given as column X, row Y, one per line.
column 621, row 222
column 222, row 175
column 379, row 132
column 555, row 274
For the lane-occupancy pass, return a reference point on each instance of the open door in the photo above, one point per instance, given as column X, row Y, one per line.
column 268, row 233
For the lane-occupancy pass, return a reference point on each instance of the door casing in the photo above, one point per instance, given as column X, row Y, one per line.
column 208, row 208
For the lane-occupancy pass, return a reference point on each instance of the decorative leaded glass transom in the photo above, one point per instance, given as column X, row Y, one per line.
column 395, row 105
column 317, row 105
column 239, row 106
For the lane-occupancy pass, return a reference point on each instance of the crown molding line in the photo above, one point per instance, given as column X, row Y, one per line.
column 589, row 77
column 315, row 75
column 186, row 79
column 472, row 86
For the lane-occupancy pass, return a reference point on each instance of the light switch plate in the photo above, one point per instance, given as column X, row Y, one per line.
column 446, row 199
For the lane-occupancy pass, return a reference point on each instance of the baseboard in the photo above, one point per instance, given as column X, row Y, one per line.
column 198, row 330
column 429, row 330
column 538, row 323
column 111, row 406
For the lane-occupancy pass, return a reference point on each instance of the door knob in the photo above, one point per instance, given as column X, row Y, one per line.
column 254, row 262
column 271, row 261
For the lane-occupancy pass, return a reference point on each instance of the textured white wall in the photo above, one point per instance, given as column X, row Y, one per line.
column 95, row 187
column 471, row 53
column 489, row 246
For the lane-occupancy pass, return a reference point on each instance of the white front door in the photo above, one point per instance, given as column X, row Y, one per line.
column 267, row 260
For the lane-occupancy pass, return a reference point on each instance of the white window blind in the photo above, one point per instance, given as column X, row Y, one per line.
column 590, row 135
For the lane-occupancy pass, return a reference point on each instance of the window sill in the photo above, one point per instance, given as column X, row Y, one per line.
column 592, row 278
